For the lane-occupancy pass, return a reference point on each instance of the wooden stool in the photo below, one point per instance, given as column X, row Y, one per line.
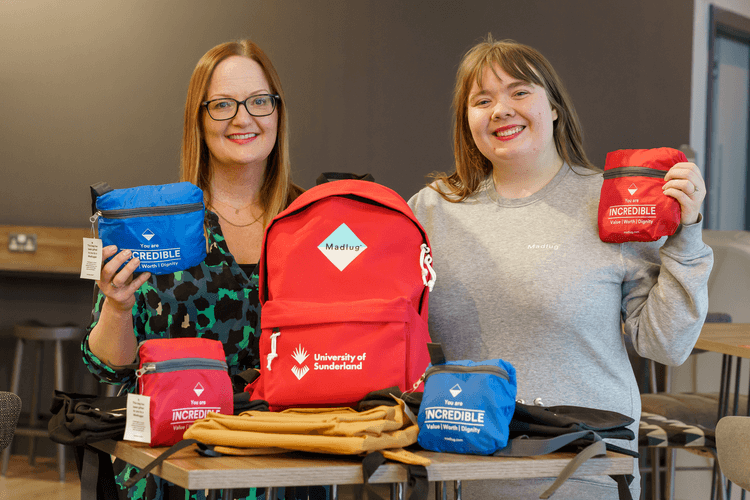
column 39, row 334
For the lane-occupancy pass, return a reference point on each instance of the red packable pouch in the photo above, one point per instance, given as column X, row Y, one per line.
column 185, row 379
column 632, row 206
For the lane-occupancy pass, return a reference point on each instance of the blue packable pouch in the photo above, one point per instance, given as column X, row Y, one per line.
column 467, row 406
column 162, row 225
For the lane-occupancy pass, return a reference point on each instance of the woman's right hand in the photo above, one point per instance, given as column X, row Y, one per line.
column 119, row 286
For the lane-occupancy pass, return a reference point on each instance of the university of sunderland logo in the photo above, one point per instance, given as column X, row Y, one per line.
column 325, row 361
column 300, row 355
column 341, row 247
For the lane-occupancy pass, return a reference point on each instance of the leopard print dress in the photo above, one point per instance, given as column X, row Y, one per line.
column 215, row 299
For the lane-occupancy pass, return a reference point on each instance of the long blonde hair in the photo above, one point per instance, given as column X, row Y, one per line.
column 277, row 189
column 523, row 63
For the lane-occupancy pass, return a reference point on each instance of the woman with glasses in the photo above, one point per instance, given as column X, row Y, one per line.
column 522, row 273
column 235, row 147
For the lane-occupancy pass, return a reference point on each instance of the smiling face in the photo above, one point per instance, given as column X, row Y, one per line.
column 511, row 121
column 244, row 140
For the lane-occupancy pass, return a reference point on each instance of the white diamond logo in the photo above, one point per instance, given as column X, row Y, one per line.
column 455, row 390
column 300, row 355
column 341, row 247
column 632, row 189
column 148, row 234
column 300, row 372
column 198, row 389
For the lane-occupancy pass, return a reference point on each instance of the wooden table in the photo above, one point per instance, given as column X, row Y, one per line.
column 191, row 471
column 726, row 338
column 732, row 340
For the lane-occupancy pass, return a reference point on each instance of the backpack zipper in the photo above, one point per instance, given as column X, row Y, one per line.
column 488, row 369
column 127, row 213
column 173, row 365
column 634, row 172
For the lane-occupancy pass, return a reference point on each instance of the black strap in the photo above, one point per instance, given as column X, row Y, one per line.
column 416, row 477
column 97, row 190
column 437, row 356
column 96, row 474
column 418, row 482
column 592, row 450
column 338, row 176
column 158, row 460
column 240, row 380
column 623, row 485
column 524, row 446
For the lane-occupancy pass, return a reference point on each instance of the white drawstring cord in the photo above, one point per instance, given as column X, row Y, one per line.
column 272, row 354
column 425, row 262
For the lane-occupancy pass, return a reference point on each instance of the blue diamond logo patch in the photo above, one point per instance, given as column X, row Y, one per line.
column 341, row 247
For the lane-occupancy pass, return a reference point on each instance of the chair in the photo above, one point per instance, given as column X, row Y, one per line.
column 39, row 334
column 10, row 409
column 733, row 445
column 680, row 420
column 729, row 292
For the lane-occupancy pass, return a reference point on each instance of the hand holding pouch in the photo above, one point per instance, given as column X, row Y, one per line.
column 632, row 206
column 162, row 225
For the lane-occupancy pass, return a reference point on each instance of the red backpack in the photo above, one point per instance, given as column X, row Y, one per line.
column 344, row 282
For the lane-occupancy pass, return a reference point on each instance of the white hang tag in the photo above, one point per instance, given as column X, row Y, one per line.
column 91, row 264
column 138, row 421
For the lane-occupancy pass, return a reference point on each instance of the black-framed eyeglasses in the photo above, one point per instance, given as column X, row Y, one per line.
column 226, row 107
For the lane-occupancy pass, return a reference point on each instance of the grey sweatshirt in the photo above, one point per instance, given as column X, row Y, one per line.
column 529, row 281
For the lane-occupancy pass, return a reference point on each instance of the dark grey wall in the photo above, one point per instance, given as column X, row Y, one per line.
column 94, row 90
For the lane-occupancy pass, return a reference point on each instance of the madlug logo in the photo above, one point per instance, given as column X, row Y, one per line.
column 341, row 247
column 455, row 390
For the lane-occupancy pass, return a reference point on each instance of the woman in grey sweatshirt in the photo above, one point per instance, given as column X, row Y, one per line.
column 521, row 272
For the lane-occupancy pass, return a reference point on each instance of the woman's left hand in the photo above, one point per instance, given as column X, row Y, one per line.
column 685, row 184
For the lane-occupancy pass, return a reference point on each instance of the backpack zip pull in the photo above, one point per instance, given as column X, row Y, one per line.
column 93, row 219
column 273, row 353
column 425, row 262
column 416, row 384
column 146, row 368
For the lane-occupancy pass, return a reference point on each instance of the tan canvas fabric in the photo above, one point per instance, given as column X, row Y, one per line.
column 341, row 431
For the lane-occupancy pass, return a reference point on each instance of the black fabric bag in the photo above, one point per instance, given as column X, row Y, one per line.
column 538, row 430
column 80, row 419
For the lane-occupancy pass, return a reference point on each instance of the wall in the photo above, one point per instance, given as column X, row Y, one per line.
column 95, row 91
